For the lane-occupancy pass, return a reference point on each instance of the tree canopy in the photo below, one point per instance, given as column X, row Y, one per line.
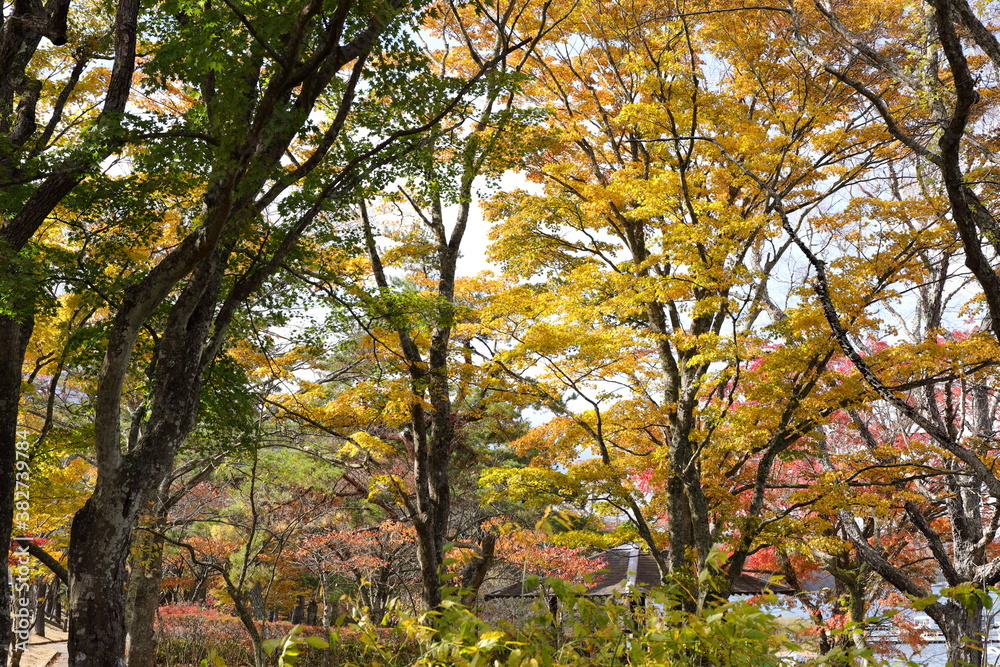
column 741, row 305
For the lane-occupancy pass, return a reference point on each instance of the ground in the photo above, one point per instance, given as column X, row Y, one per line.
column 48, row 651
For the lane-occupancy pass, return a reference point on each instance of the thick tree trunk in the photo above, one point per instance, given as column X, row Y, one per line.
column 687, row 510
column 101, row 533
column 432, row 474
column 963, row 633
column 687, row 521
column 14, row 337
column 144, row 599
column 430, row 547
column 99, row 545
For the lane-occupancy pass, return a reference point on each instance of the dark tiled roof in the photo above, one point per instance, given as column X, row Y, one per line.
column 628, row 566
column 750, row 585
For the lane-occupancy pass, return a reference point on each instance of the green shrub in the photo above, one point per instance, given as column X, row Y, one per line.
column 584, row 632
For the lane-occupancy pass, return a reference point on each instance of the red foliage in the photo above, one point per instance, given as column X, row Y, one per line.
column 530, row 551
column 188, row 632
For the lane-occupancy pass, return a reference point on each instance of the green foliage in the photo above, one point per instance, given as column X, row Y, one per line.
column 967, row 594
column 292, row 645
column 19, row 294
column 584, row 632
column 228, row 410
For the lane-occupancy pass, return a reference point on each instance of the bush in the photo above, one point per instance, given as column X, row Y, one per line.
column 585, row 632
column 589, row 632
column 187, row 635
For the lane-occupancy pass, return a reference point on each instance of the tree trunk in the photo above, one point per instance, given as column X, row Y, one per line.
column 40, row 595
column 247, row 618
column 101, row 532
column 14, row 337
column 859, row 609
column 99, row 544
column 429, row 557
column 432, row 461
column 963, row 634
column 475, row 572
column 146, row 573
column 144, row 599
column 255, row 598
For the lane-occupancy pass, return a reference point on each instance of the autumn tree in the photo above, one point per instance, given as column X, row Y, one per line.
column 655, row 258
column 376, row 559
column 230, row 136
column 60, row 115
column 922, row 69
column 481, row 151
column 57, row 404
column 356, row 401
column 244, row 540
column 413, row 325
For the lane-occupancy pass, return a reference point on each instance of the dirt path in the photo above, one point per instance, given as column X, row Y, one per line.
column 47, row 651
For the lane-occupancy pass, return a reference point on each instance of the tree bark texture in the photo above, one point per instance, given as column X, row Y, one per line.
column 14, row 336
column 963, row 632
column 144, row 598
column 99, row 546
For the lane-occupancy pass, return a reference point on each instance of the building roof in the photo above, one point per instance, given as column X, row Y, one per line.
column 627, row 567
